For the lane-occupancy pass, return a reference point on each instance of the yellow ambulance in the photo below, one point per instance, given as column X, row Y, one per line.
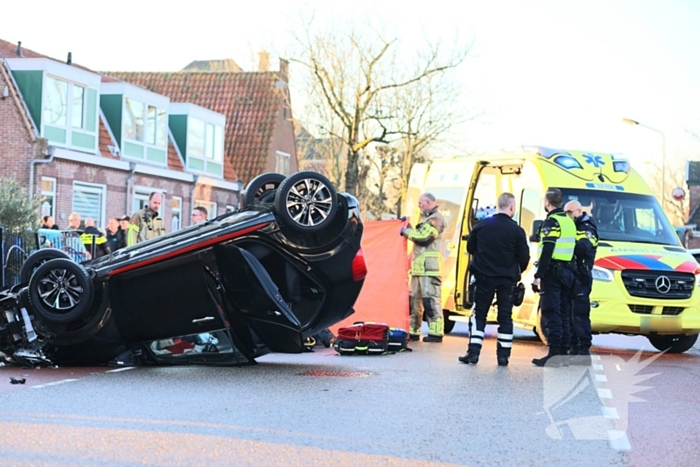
column 645, row 282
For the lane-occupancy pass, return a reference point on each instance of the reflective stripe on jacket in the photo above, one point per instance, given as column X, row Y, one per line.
column 426, row 250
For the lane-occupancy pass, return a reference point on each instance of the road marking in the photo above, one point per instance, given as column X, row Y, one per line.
column 598, row 367
column 121, row 369
column 610, row 412
column 619, row 440
column 604, row 393
column 55, row 383
column 602, row 378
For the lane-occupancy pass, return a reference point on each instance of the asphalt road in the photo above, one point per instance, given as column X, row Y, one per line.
column 413, row 408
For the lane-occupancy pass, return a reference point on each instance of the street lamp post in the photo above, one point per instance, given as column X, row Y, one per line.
column 629, row 121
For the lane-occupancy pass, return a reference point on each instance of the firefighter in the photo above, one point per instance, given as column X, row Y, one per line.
column 584, row 254
column 554, row 278
column 425, row 270
column 146, row 223
column 500, row 250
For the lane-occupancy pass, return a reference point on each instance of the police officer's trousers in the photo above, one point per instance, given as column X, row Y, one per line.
column 426, row 295
column 555, row 304
column 486, row 287
column 581, row 315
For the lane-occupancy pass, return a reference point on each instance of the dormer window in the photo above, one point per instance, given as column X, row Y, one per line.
column 62, row 100
column 139, row 120
column 199, row 134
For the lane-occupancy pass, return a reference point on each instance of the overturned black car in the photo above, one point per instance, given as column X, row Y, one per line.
column 285, row 266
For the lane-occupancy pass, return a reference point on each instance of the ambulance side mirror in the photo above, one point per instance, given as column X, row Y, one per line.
column 536, row 226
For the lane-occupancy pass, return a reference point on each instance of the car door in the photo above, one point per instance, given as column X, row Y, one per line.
column 168, row 299
column 254, row 296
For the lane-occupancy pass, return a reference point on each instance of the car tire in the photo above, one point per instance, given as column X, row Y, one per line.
column 449, row 325
column 38, row 258
column 673, row 344
column 262, row 188
column 306, row 202
column 60, row 291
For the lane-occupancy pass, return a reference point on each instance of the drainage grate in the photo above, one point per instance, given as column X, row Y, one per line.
column 347, row 374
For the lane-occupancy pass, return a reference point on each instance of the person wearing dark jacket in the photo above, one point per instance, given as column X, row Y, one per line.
column 116, row 237
column 500, row 254
column 584, row 254
column 93, row 237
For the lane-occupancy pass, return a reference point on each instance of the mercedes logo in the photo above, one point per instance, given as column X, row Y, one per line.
column 663, row 284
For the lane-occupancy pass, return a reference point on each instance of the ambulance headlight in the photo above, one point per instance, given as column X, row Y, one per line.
column 601, row 274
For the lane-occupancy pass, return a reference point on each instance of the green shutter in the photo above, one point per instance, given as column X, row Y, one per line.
column 31, row 84
column 91, row 116
column 111, row 105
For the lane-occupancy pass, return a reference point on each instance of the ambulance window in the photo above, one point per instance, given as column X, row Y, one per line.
column 530, row 206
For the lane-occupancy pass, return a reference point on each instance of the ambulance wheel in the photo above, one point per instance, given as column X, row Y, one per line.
column 38, row 258
column 60, row 291
column 448, row 324
column 673, row 344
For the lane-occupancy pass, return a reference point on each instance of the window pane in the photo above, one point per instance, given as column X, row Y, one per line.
column 151, row 125
column 218, row 144
column 195, row 138
column 162, row 134
column 87, row 201
column 55, row 105
column 210, row 142
column 77, row 110
column 47, row 184
column 133, row 119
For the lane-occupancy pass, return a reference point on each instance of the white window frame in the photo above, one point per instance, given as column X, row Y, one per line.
column 144, row 117
column 92, row 188
column 141, row 193
column 49, row 194
column 211, row 207
column 176, row 213
column 218, row 152
column 287, row 158
column 68, row 127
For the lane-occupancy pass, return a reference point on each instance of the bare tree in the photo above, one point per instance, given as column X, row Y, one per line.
column 351, row 72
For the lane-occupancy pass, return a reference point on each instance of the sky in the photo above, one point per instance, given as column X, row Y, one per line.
column 558, row 73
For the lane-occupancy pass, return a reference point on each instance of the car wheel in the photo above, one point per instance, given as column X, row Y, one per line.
column 262, row 189
column 38, row 258
column 673, row 344
column 306, row 202
column 60, row 291
column 449, row 325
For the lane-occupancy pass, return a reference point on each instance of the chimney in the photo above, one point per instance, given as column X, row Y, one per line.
column 19, row 49
column 263, row 61
column 284, row 71
column 70, row 58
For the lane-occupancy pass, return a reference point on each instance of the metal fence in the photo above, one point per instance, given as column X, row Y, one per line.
column 14, row 249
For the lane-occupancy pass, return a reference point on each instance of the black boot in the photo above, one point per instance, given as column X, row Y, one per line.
column 552, row 359
column 502, row 355
column 472, row 355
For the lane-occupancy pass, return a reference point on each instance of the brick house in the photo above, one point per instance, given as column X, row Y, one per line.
column 91, row 143
column 692, row 225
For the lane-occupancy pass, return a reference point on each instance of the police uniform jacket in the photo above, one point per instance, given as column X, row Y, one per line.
column 499, row 246
column 557, row 241
column 426, row 249
column 586, row 242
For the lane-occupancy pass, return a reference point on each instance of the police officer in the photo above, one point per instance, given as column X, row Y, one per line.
column 146, row 223
column 501, row 253
column 584, row 253
column 555, row 278
column 425, row 270
column 92, row 237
